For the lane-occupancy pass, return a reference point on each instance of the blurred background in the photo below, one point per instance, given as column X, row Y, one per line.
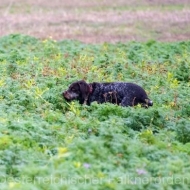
column 97, row 21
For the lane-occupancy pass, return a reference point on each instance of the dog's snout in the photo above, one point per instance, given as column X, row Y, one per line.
column 65, row 93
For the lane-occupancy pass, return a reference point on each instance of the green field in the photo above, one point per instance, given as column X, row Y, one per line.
column 47, row 143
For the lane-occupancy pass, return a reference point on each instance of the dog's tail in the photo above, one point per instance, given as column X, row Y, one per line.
column 149, row 102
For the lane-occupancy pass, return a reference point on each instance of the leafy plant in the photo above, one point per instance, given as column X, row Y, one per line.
column 48, row 143
column 183, row 131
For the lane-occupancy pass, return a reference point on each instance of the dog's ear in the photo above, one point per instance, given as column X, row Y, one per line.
column 84, row 89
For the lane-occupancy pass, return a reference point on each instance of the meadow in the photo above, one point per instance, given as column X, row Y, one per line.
column 48, row 143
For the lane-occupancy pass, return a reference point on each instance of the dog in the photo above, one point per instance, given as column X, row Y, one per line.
column 120, row 93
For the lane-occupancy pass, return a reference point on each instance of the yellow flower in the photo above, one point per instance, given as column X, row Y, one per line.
column 100, row 175
column 77, row 164
column 13, row 185
column 169, row 76
column 174, row 83
column 62, row 150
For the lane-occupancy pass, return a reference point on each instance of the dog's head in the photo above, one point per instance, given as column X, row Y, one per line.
column 77, row 91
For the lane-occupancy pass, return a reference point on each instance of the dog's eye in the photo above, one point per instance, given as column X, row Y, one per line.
column 73, row 89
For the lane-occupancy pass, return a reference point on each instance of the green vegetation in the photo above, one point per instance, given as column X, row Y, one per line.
column 47, row 143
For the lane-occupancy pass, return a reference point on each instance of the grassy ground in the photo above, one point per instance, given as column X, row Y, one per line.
column 46, row 143
column 98, row 21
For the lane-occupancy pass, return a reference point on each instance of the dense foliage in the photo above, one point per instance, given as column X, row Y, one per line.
column 47, row 143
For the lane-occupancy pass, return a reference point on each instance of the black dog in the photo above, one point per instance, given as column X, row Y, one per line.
column 120, row 93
